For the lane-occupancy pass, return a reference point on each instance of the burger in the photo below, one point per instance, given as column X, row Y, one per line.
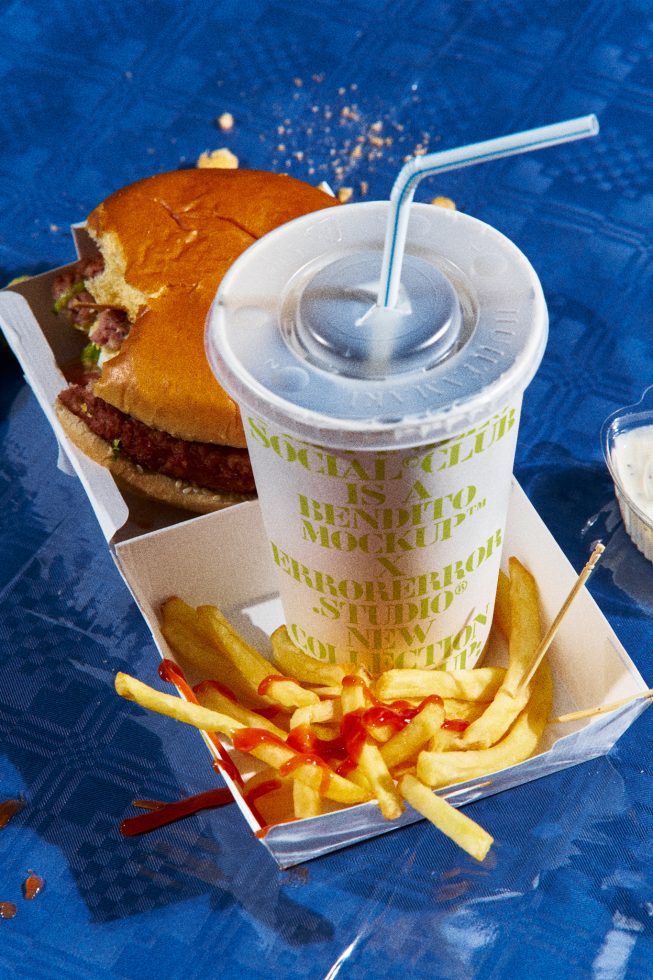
column 144, row 401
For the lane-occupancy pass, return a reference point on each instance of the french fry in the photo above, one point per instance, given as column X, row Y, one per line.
column 248, row 661
column 525, row 625
column 525, row 634
column 197, row 653
column 211, row 697
column 299, row 665
column 253, row 668
column 463, row 710
column 406, row 743
column 372, row 764
column 306, row 801
column 445, row 740
column 175, row 707
column 458, row 826
column 323, row 711
column 327, row 692
column 477, row 684
column 180, row 626
column 285, row 691
column 502, row 604
column 277, row 754
column 443, row 768
column 353, row 697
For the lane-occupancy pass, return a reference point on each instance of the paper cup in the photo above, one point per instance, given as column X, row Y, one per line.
column 382, row 445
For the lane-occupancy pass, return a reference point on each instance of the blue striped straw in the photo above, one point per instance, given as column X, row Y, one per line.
column 463, row 156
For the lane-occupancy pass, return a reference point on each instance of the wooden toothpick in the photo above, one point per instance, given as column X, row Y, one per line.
column 602, row 709
column 548, row 638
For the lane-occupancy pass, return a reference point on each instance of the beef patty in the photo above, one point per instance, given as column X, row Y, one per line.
column 203, row 463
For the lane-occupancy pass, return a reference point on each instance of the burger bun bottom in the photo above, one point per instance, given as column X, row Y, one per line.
column 129, row 476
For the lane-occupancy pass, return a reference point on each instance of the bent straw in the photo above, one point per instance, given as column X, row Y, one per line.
column 555, row 625
column 463, row 156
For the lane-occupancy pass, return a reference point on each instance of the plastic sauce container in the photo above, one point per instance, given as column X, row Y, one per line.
column 627, row 438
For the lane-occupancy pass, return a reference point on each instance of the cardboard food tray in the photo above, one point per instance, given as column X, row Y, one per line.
column 224, row 559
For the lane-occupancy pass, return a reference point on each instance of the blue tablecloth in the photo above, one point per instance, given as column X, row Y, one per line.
column 97, row 95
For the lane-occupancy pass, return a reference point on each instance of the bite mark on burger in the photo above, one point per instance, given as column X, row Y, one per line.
column 146, row 404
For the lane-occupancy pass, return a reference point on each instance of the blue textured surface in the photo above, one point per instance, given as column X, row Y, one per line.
column 97, row 95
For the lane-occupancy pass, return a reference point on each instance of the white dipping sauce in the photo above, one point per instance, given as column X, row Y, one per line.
column 633, row 458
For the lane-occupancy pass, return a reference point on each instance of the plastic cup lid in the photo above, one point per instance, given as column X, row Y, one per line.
column 295, row 336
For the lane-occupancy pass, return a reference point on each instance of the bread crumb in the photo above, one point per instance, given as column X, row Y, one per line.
column 345, row 194
column 225, row 121
column 222, row 159
column 444, row 202
column 364, row 187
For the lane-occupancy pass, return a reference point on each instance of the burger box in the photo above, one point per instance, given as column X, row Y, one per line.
column 223, row 559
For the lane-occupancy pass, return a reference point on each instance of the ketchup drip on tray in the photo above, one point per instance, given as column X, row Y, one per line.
column 7, row 910
column 170, row 672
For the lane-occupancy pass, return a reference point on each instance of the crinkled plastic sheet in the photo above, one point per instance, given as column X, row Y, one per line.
column 96, row 98
column 566, row 889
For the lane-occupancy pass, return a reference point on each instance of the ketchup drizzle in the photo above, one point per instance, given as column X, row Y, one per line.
column 269, row 712
column 455, row 724
column 204, row 686
column 303, row 739
column 267, row 682
column 256, row 792
column 170, row 672
column 7, row 910
column 247, row 739
column 307, row 759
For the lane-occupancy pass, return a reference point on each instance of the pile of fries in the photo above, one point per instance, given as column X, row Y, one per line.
column 330, row 735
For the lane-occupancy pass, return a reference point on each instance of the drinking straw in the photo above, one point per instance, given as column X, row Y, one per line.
column 462, row 156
